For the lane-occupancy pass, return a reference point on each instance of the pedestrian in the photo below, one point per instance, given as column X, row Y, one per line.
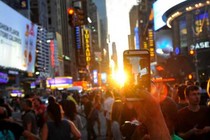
column 56, row 127
column 97, row 108
column 193, row 120
column 107, row 112
column 70, row 113
column 14, row 130
column 29, row 116
column 39, row 109
column 90, row 117
column 116, row 119
column 182, row 102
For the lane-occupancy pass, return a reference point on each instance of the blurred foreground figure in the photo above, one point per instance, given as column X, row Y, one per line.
column 170, row 112
column 148, row 113
column 194, row 119
column 12, row 130
column 115, row 119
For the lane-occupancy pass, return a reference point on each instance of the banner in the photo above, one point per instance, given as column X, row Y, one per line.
column 17, row 40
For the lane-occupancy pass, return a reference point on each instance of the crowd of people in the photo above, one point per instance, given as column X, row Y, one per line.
column 177, row 115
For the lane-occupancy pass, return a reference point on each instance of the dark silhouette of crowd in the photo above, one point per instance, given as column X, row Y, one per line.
column 170, row 111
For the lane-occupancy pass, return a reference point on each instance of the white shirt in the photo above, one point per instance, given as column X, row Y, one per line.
column 108, row 107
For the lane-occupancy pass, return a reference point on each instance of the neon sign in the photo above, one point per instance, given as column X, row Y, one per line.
column 87, row 46
column 77, row 36
column 4, row 77
column 52, row 56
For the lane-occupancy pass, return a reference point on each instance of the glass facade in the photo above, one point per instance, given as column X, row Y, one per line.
column 183, row 32
column 191, row 30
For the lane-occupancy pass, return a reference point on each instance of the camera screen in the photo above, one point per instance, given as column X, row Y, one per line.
column 137, row 69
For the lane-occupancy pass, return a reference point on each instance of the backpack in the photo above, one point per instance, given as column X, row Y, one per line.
column 6, row 135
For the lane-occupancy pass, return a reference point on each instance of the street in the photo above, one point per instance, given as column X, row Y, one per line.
column 103, row 128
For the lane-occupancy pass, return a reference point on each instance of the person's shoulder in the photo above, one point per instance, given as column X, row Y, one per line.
column 204, row 108
column 183, row 110
column 10, row 124
column 109, row 99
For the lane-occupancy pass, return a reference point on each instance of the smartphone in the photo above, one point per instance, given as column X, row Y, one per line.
column 137, row 68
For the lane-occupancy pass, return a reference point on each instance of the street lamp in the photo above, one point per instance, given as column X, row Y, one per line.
column 193, row 52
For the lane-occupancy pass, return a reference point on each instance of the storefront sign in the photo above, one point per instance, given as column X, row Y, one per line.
column 200, row 45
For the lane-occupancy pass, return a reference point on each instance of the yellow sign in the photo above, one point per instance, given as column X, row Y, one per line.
column 87, row 46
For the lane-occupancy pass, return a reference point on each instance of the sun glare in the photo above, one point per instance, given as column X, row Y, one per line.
column 119, row 77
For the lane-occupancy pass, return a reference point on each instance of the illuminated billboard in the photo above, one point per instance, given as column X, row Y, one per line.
column 163, row 43
column 59, row 82
column 160, row 7
column 17, row 40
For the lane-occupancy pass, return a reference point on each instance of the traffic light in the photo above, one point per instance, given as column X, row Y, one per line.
column 190, row 76
column 76, row 16
column 71, row 16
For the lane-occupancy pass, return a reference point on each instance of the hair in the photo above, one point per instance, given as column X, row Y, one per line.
column 69, row 108
column 28, row 102
column 38, row 99
column 108, row 93
column 51, row 99
column 55, row 112
column 180, row 92
column 117, row 110
column 191, row 88
column 3, row 113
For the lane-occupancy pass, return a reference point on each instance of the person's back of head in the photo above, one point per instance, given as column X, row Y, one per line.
column 108, row 93
column 26, row 104
column 116, row 110
column 51, row 99
column 3, row 113
column 55, row 112
column 69, row 108
column 189, row 82
column 181, row 92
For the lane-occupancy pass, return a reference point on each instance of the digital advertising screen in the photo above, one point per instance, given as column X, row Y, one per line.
column 17, row 40
column 163, row 43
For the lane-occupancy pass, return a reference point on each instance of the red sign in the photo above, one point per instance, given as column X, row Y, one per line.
column 52, row 54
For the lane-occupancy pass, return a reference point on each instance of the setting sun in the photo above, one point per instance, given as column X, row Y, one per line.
column 119, row 77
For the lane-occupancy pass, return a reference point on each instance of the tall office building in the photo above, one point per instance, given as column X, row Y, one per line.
column 42, row 54
column 58, row 22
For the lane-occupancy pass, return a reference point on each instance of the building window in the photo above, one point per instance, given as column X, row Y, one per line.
column 183, row 32
column 49, row 21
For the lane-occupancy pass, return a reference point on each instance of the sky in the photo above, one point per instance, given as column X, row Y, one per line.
column 118, row 25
